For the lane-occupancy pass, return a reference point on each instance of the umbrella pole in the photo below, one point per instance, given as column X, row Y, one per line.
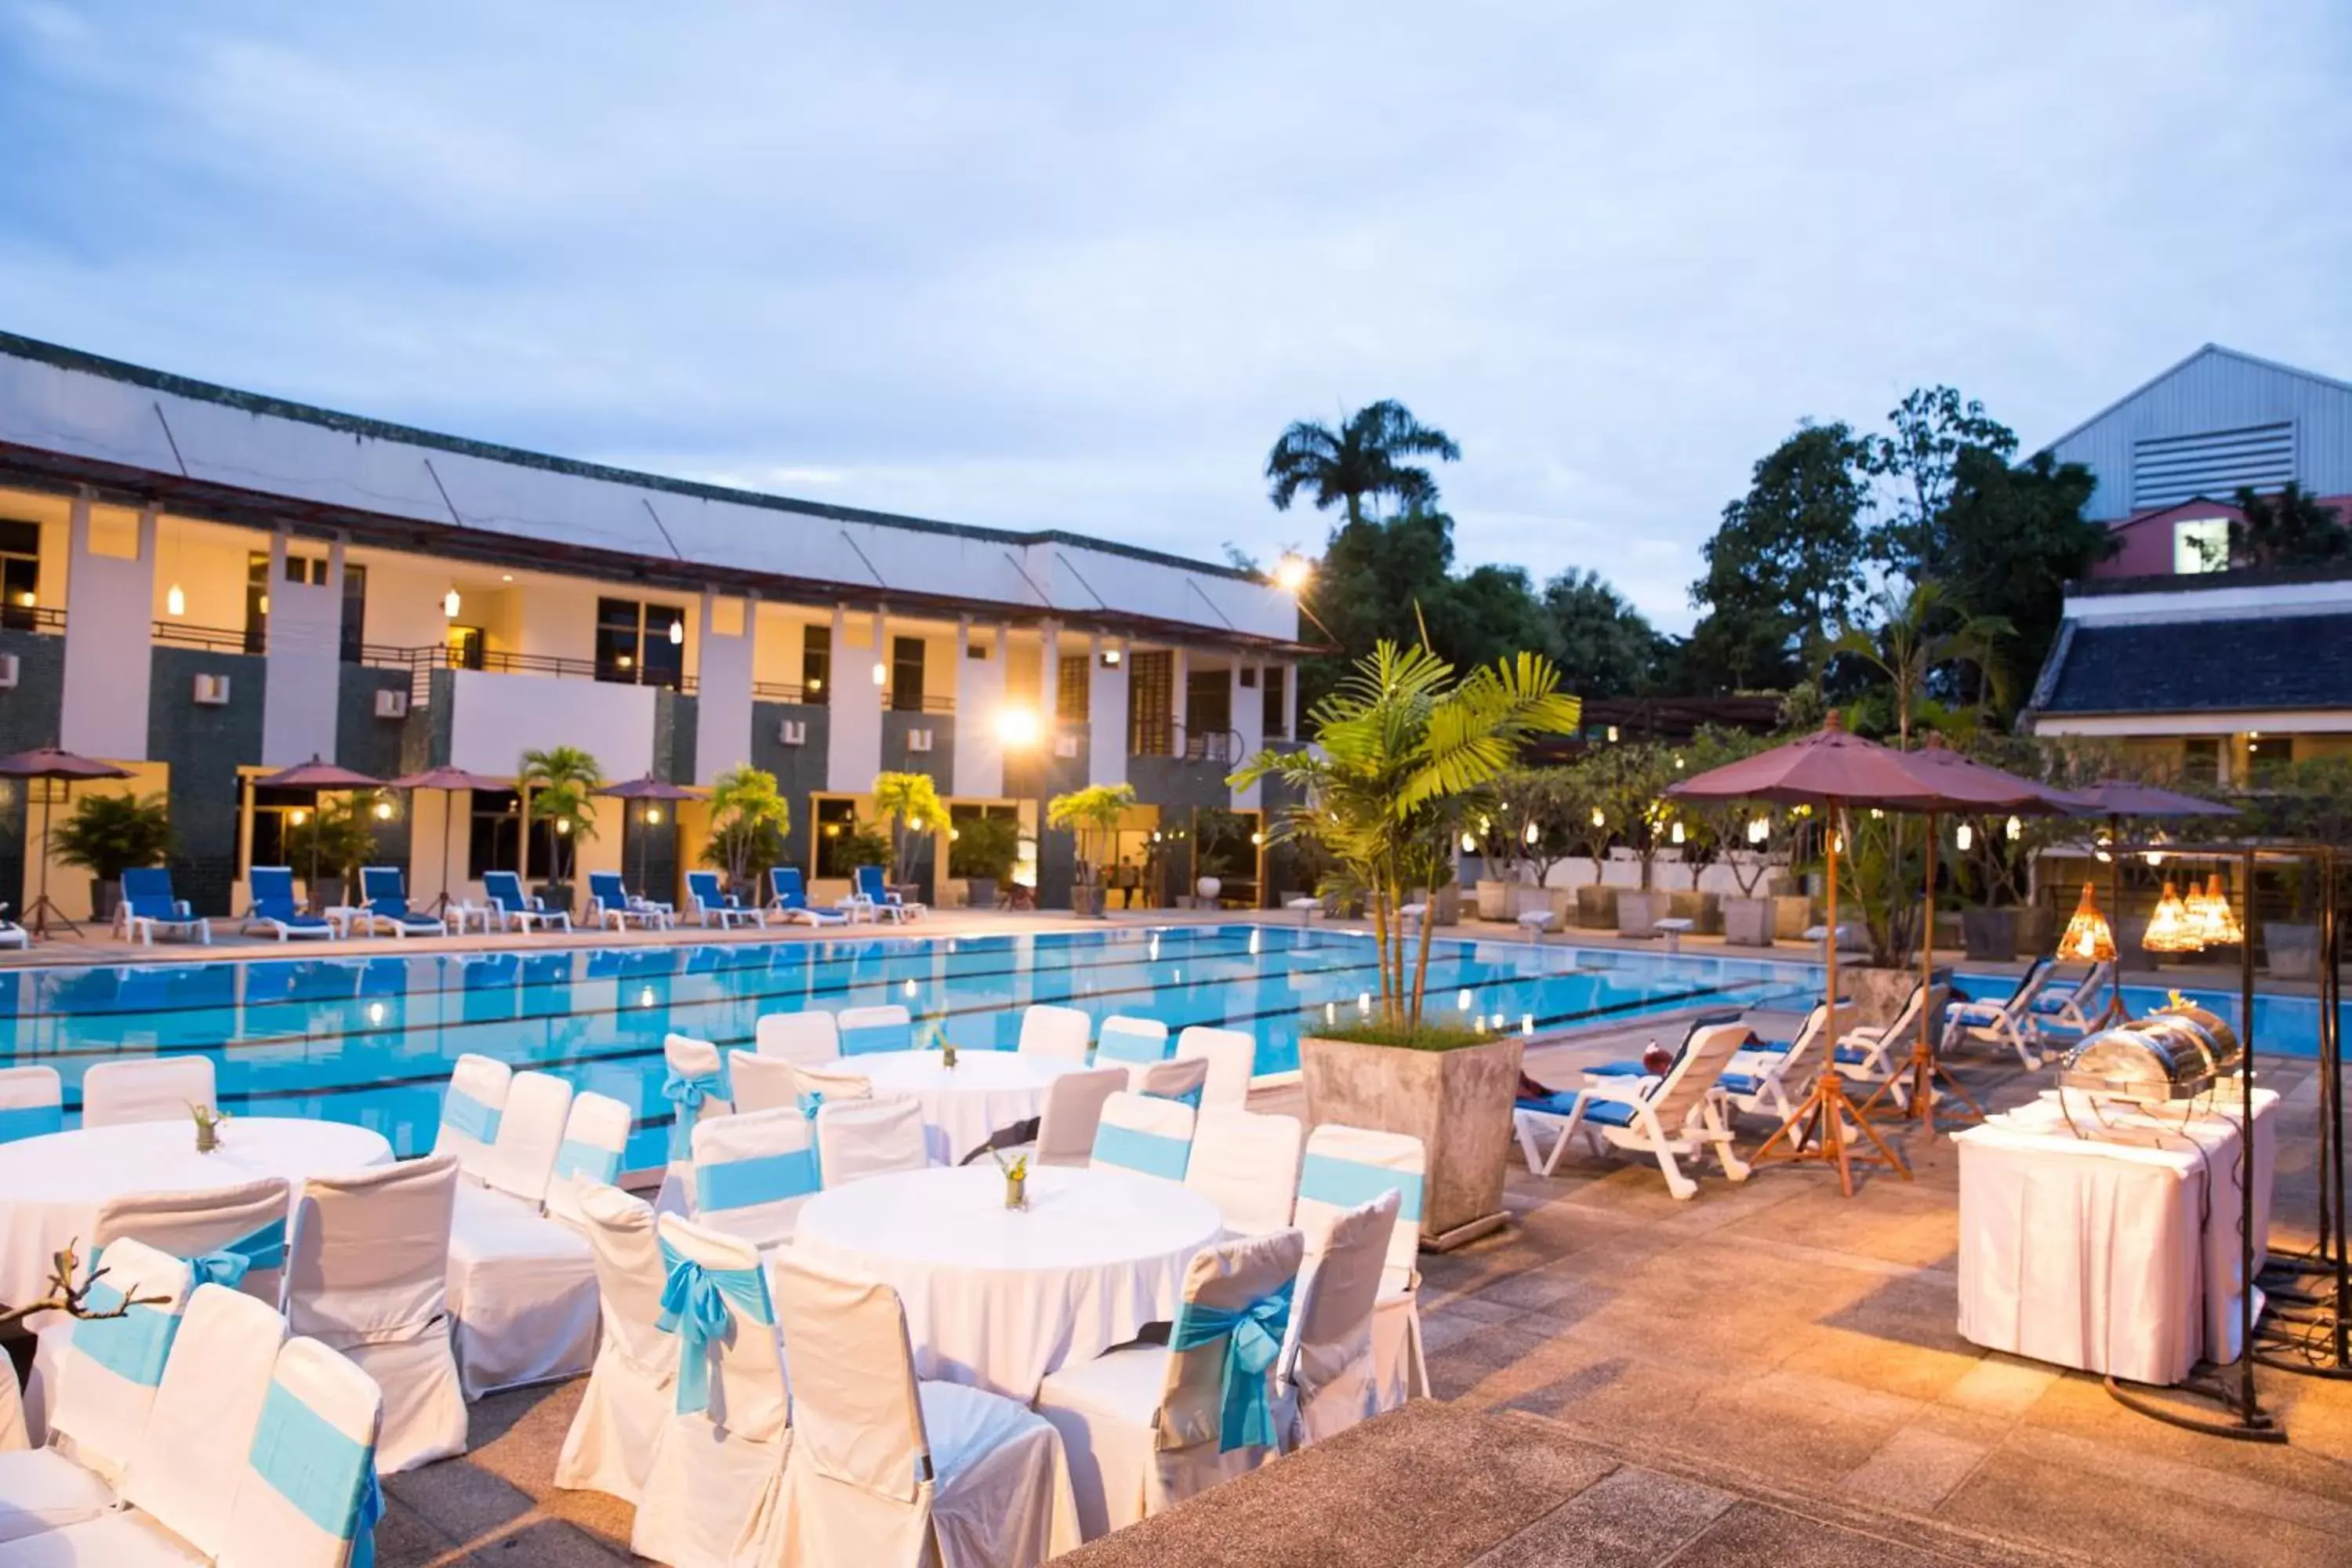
column 449, row 801
column 1828, row 1106
column 1924, row 1070
column 42, row 910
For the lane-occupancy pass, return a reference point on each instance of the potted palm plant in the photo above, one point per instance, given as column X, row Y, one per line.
column 1404, row 753
column 910, row 806
column 1093, row 812
column 331, row 844
column 748, row 819
column 111, row 834
column 562, row 782
column 981, row 853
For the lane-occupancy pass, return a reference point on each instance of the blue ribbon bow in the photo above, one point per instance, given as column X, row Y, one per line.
column 364, row 1529
column 811, row 1103
column 1253, row 1339
column 687, row 1091
column 693, row 1307
column 229, row 1263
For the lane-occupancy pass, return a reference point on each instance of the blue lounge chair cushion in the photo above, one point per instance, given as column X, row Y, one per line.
column 1782, row 1046
column 1852, row 1056
column 1617, row 1069
column 1740, row 1083
column 1609, row 1112
column 1559, row 1102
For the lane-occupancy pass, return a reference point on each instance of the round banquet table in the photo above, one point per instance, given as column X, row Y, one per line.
column 963, row 1104
column 51, row 1186
column 998, row 1298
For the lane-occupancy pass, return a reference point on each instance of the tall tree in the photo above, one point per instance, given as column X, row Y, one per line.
column 2009, row 539
column 1929, row 432
column 1606, row 647
column 1366, row 457
column 2291, row 529
column 1782, row 569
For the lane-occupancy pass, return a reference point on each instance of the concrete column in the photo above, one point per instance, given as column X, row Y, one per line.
column 1290, row 702
column 302, row 696
column 978, row 698
column 722, row 735
column 1180, row 676
column 1107, row 712
column 1249, row 724
column 108, row 662
column 1049, row 676
column 854, row 755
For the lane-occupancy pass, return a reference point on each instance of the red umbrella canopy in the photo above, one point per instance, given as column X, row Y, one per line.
column 1832, row 764
column 48, row 763
column 316, row 775
column 650, row 788
column 2001, row 791
column 449, row 778
column 2121, row 797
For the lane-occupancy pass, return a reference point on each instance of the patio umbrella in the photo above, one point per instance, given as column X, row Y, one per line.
column 1831, row 769
column 48, row 763
column 448, row 780
column 2116, row 799
column 314, row 775
column 648, row 789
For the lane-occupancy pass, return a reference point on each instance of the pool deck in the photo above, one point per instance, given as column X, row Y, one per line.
column 1769, row 1373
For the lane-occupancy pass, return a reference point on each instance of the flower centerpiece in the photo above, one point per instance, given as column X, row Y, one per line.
column 1017, row 1179
column 941, row 1044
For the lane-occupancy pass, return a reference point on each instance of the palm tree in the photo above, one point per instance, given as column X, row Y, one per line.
column 561, row 780
column 1404, row 753
column 749, row 818
column 1917, row 632
column 1095, row 813
column 911, row 803
column 1363, row 458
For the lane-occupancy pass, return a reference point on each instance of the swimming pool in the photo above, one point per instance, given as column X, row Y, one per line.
column 369, row 1038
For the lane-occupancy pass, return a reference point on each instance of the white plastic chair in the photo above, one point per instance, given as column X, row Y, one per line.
column 1331, row 1367
column 753, row 1172
column 1232, row 1058
column 155, row 1088
column 1144, row 1426
column 762, row 1082
column 308, row 1497
column 1882, row 1054
column 610, row 1445
column 1768, row 1080
column 368, row 1276
column 696, row 1087
column 1060, row 1033
column 888, row 1471
column 522, row 1287
column 2061, row 1013
column 470, row 1109
column 867, row 1029
column 1136, row 1132
column 1678, row 1115
column 811, row 1037
column 1246, row 1164
column 860, row 1138
column 1132, row 1043
column 32, row 1104
column 1073, row 1109
column 595, row 1142
column 1344, row 1168
column 712, row 1490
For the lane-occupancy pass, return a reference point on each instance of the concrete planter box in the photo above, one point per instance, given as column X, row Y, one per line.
column 1638, row 913
column 1704, row 911
column 1526, row 899
column 1494, row 899
column 1988, row 933
column 1458, row 1103
column 1791, row 913
column 1596, row 907
column 1748, row 922
column 1878, row 993
column 1561, row 902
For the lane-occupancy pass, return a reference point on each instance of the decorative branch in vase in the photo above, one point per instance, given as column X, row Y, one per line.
column 209, row 1123
column 1017, row 1179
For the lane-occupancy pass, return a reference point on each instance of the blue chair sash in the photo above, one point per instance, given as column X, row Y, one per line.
column 133, row 1346
column 1130, row 1045
column 1154, row 1153
column 1190, row 1097
column 574, row 1158
column 810, row 1104
column 328, row 1475
column 693, row 1307
column 461, row 1112
column 1346, row 1184
column 687, row 1091
column 231, row 1262
column 761, row 1179
column 1253, row 1339
column 30, row 1121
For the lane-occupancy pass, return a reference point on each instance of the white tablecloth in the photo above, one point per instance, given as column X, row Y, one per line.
column 2104, row 1255
column 996, row 1298
column 51, row 1187
column 963, row 1104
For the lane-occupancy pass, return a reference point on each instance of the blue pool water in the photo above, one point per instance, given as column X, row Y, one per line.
column 370, row 1038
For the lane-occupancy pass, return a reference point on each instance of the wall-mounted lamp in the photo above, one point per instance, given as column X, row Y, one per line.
column 450, row 603
column 1291, row 573
column 175, row 603
column 881, row 674
column 677, row 633
column 1018, row 727
column 1111, row 657
column 653, row 816
column 383, row 811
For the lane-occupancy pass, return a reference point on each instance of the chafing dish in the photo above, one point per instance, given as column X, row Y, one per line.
column 2165, row 1056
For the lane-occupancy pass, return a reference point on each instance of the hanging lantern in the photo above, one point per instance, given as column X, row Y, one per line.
column 1677, row 835
column 2088, row 939
column 176, row 602
column 1759, row 831
column 1963, row 836
column 1600, row 817
column 2016, row 829
column 676, row 634
column 1532, row 836
column 1469, row 843
column 450, row 603
column 2170, row 929
column 2217, row 923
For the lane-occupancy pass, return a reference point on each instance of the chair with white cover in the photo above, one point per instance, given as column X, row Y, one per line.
column 762, row 1082
column 867, row 1029
column 830, row 1083
column 811, row 1037
column 186, row 1467
column 896, row 1473
column 151, row 1088
column 367, row 1275
column 696, row 1085
column 1138, row 1133
column 15, row 1434
column 1132, row 1043
column 1331, row 1370
column 1147, row 1425
column 627, row 1402
column 32, row 1104
column 522, row 1287
column 595, row 1142
column 1677, row 1115
column 1346, row 1167
column 108, row 1373
column 1246, row 1164
column 470, row 1109
column 753, row 1172
column 309, row 1497
column 1062, row 1033
column 1073, row 1109
column 1232, row 1058
column 711, row 1489
column 1177, row 1077
column 861, row 1138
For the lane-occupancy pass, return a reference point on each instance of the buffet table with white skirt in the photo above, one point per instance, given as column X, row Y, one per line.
column 2116, row 1253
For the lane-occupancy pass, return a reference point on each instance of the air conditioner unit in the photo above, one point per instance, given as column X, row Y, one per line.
column 1066, row 745
column 391, row 703
column 919, row 739
column 212, row 691
column 7, row 672
column 793, row 731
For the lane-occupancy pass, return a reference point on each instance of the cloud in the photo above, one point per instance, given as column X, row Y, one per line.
column 1078, row 269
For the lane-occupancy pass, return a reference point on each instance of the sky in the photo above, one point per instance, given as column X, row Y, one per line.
column 1076, row 267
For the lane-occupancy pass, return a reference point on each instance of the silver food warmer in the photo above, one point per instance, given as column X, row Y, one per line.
column 2176, row 1053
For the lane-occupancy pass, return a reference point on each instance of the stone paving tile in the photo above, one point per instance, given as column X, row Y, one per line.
column 1632, row 1518
column 2111, row 1519
column 2002, row 1385
column 1750, row 1533
column 1915, row 1468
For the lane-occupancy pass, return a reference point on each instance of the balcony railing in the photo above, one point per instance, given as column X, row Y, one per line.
column 208, row 639
column 1189, row 745
column 47, row 618
column 435, row 656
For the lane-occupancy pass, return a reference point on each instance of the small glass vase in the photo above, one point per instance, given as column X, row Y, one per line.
column 1016, row 1191
column 207, row 1135
column 948, row 1055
